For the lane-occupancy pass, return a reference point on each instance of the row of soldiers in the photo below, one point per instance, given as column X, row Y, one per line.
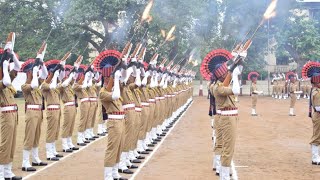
column 280, row 87
column 52, row 86
column 141, row 101
column 138, row 112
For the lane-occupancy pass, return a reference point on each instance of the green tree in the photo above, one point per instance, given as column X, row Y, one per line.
column 300, row 39
column 32, row 22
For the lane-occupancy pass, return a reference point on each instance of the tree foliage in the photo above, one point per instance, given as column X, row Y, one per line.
column 202, row 25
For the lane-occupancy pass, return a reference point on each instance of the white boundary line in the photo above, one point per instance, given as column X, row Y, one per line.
column 64, row 158
column 159, row 145
column 234, row 171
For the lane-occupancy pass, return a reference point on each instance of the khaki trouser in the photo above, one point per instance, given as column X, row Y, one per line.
column 168, row 107
column 99, row 113
column 304, row 89
column 218, row 134
column 53, row 125
column 278, row 89
column 163, row 111
column 144, row 122
column 151, row 116
column 129, row 130
column 137, row 128
column 293, row 100
column 115, row 142
column 228, row 129
column 316, row 129
column 92, row 115
column 33, row 129
column 69, row 117
column 8, row 124
column 254, row 99
column 84, row 110
column 156, row 114
column 273, row 90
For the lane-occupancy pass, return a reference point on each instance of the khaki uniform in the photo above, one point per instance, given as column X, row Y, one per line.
column 8, row 124
column 130, row 114
column 158, row 107
column 275, row 87
column 115, row 127
column 152, row 108
column 145, row 114
column 69, row 110
column 84, row 100
column 93, row 107
column 138, row 119
column 167, row 103
column 225, row 102
column 33, row 116
column 99, row 107
column 162, row 105
column 172, row 100
column 254, row 96
column 293, row 87
column 303, row 87
column 315, row 99
column 52, row 98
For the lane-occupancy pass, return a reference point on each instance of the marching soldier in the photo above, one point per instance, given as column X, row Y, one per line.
column 293, row 90
column 51, row 96
column 146, row 105
column 91, row 89
column 101, row 123
column 139, row 122
column 107, row 62
column 310, row 70
column 225, row 102
column 80, row 89
column 69, row 103
column 8, row 109
column 149, row 100
column 308, row 88
column 214, row 111
column 254, row 91
column 33, row 109
column 274, row 83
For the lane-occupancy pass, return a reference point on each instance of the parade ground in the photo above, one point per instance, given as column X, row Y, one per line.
column 272, row 145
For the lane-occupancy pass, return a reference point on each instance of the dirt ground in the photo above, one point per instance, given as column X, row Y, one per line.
column 272, row 145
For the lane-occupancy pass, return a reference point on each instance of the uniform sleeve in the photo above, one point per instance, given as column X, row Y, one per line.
column 105, row 96
column 45, row 86
column 25, row 88
column 224, row 91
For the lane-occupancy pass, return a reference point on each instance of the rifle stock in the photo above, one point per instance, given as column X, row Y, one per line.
column 142, row 53
column 66, row 56
column 247, row 45
column 126, row 49
column 227, row 80
column 49, row 78
column 136, row 50
column 43, row 47
column 110, row 84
